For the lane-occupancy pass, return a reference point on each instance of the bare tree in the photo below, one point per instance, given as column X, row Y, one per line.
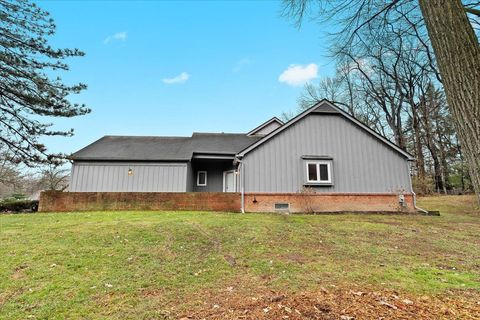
column 452, row 38
column 53, row 177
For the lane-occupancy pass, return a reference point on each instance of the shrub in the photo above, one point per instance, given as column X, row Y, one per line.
column 13, row 205
column 423, row 186
column 306, row 202
column 18, row 196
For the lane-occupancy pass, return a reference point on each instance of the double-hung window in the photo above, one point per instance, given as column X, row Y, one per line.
column 319, row 171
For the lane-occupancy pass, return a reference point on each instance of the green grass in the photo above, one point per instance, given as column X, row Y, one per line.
column 141, row 264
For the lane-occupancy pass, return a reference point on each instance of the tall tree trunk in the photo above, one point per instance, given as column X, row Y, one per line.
column 430, row 143
column 418, row 144
column 437, row 168
column 462, row 173
column 443, row 159
column 457, row 52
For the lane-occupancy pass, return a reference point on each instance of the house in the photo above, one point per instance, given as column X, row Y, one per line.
column 321, row 160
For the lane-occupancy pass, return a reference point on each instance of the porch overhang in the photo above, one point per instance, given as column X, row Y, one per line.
column 213, row 156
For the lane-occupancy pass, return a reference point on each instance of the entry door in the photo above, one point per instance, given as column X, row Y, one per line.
column 229, row 181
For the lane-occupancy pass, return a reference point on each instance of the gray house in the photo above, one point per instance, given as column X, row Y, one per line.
column 323, row 156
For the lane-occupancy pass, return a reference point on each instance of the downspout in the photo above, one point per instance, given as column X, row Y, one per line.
column 413, row 192
column 242, row 177
column 241, row 167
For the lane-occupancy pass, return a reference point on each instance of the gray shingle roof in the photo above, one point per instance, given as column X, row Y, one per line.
column 220, row 142
column 140, row 148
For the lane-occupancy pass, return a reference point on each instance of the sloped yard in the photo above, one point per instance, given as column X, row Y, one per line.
column 155, row 265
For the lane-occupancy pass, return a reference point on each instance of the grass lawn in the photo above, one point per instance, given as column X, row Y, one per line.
column 156, row 265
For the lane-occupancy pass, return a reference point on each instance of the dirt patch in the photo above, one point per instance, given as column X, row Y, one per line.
column 3, row 298
column 147, row 293
column 19, row 272
column 295, row 257
column 335, row 303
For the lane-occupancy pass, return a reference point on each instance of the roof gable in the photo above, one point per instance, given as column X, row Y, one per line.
column 325, row 107
column 273, row 122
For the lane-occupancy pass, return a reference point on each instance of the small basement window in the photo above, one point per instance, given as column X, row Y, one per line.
column 281, row 206
column 201, row 178
column 319, row 172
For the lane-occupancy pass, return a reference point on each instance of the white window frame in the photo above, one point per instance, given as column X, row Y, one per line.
column 198, row 178
column 318, row 163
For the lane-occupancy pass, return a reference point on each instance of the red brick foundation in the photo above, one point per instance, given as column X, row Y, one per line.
column 105, row 201
column 328, row 202
column 219, row 201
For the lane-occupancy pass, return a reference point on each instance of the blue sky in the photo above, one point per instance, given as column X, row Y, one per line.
column 170, row 68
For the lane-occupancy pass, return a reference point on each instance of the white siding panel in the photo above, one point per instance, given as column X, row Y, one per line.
column 361, row 162
column 113, row 177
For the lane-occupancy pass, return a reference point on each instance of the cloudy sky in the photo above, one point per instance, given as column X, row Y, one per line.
column 170, row 68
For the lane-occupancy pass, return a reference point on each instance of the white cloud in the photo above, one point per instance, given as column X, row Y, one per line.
column 181, row 78
column 296, row 74
column 119, row 36
column 240, row 64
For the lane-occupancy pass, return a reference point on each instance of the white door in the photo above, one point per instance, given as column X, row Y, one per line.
column 229, row 181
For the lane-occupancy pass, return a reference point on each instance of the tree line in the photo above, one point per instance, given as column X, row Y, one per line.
column 20, row 182
column 388, row 75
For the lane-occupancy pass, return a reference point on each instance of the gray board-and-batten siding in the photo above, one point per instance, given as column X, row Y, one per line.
column 114, row 177
column 361, row 162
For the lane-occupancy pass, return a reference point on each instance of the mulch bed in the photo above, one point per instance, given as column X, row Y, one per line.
column 334, row 303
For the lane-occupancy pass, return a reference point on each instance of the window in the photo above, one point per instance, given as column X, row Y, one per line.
column 319, row 172
column 201, row 178
column 281, row 206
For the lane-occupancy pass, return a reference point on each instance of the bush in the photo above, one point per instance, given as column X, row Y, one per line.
column 18, row 196
column 423, row 186
column 13, row 205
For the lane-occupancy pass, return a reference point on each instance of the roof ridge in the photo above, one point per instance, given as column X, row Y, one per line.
column 219, row 133
column 138, row 136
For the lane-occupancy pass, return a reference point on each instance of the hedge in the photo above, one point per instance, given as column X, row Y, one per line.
column 11, row 205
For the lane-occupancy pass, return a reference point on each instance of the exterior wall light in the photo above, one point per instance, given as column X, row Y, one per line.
column 130, row 172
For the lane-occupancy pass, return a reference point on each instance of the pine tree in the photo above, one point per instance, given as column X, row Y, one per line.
column 29, row 94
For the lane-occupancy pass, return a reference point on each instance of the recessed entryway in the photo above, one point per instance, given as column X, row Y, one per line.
column 229, row 181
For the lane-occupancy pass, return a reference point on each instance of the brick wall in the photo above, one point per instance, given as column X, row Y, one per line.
column 219, row 201
column 99, row 201
column 328, row 202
